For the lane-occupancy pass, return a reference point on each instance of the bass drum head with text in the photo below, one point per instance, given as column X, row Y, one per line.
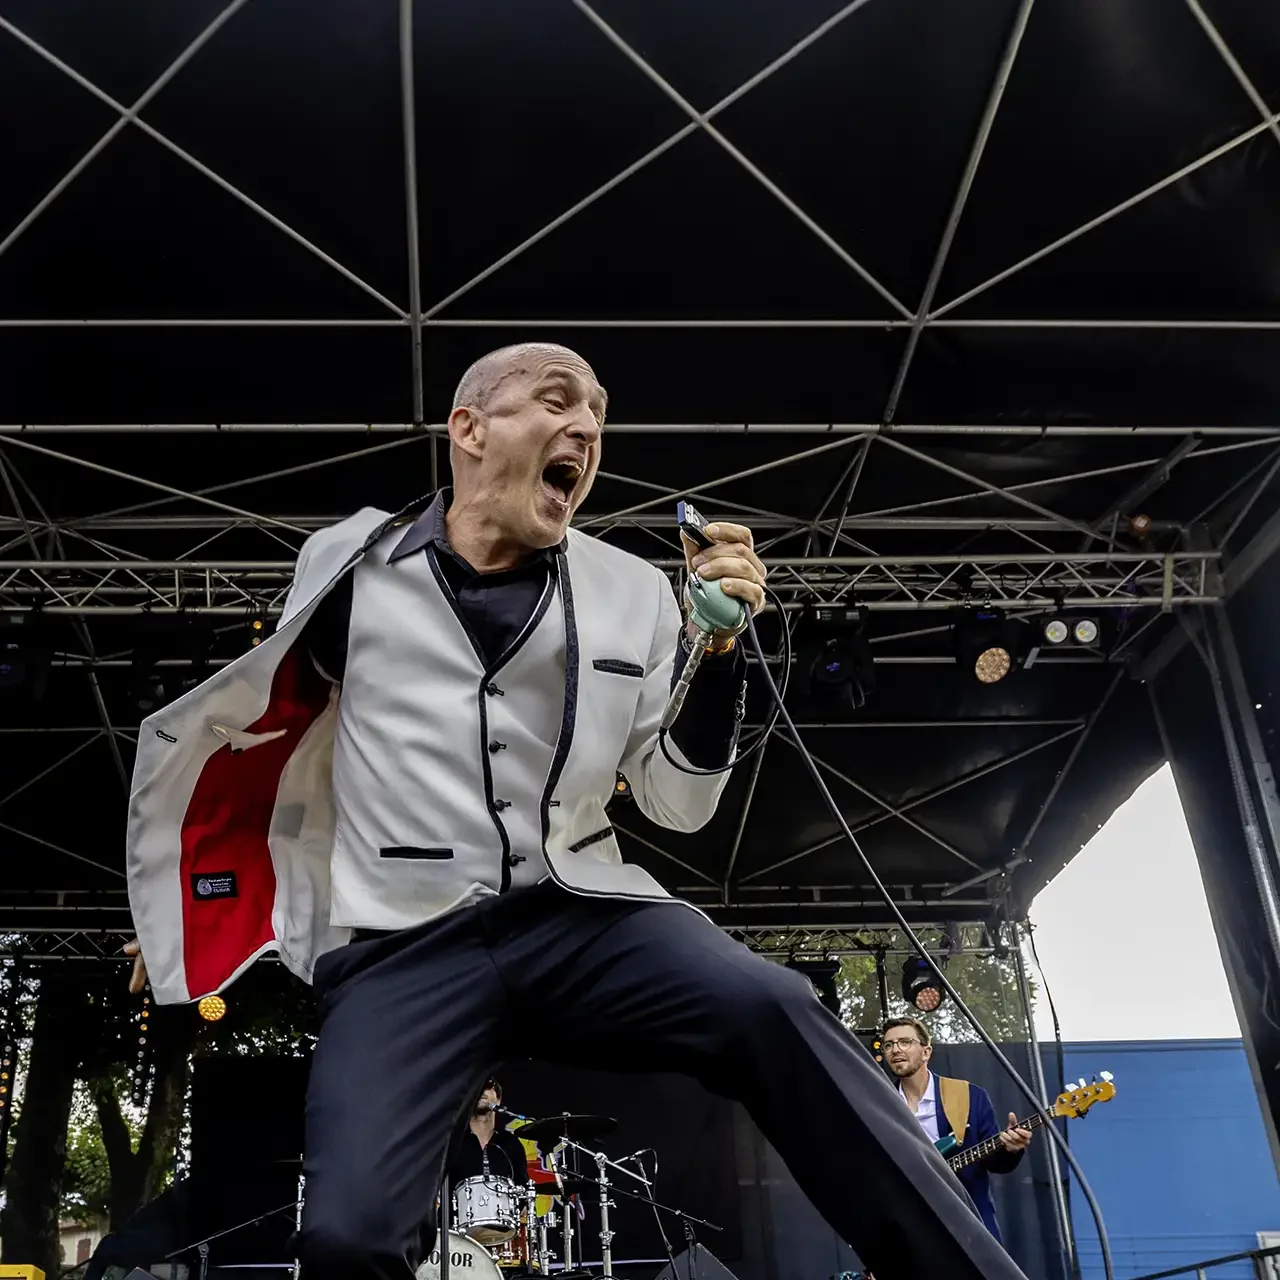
column 466, row 1259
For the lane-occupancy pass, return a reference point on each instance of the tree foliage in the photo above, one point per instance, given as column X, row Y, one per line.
column 987, row 985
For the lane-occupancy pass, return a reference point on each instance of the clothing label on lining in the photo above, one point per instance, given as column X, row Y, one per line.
column 213, row 885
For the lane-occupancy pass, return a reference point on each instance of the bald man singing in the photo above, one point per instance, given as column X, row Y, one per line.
column 403, row 791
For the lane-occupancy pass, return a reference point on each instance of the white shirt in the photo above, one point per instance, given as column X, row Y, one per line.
column 927, row 1111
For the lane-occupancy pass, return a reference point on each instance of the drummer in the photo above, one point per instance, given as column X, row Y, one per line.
column 489, row 1149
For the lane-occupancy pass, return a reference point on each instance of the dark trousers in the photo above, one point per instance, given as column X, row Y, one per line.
column 412, row 1024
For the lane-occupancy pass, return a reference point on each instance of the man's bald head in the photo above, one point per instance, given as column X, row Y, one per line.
column 525, row 359
column 524, row 446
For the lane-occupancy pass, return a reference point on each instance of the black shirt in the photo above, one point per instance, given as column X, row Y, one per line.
column 495, row 607
column 504, row 1154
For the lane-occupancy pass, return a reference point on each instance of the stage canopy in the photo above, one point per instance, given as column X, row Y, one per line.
column 960, row 304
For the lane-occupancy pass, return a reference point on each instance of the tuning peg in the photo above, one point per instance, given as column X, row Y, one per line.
column 1081, row 1084
column 1106, row 1076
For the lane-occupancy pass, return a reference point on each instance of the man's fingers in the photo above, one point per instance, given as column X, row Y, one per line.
column 138, row 978
column 750, row 593
column 739, row 551
column 132, row 948
column 722, row 531
column 1013, row 1119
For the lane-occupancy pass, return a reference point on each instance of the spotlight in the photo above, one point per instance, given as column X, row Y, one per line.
column 921, row 988
column 1085, row 631
column 621, row 788
column 1061, row 630
column 989, row 645
column 821, row 975
column 212, row 1008
column 257, row 630
column 1056, row 631
column 836, row 663
column 24, row 655
column 1140, row 526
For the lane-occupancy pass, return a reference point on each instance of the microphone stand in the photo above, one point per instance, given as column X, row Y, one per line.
column 202, row 1246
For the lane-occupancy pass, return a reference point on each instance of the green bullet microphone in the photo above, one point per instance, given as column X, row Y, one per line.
column 710, row 610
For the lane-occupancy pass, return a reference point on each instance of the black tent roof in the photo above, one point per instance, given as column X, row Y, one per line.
column 936, row 296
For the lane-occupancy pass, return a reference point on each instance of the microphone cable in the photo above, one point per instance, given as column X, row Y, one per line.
column 780, row 712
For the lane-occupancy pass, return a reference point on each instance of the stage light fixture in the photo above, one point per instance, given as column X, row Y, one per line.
column 1140, row 525
column 1056, row 631
column 989, row 646
column 821, row 976
column 24, row 655
column 212, row 1008
column 621, row 788
column 1085, row 631
column 835, row 658
column 1063, row 629
column 921, row 988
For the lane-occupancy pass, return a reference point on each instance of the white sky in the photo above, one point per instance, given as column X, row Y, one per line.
column 1133, row 893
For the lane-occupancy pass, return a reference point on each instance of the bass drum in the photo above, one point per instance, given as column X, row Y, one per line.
column 467, row 1261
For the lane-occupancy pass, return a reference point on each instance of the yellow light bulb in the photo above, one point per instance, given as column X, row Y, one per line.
column 212, row 1008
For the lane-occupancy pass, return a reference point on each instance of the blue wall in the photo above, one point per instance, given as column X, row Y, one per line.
column 1179, row 1159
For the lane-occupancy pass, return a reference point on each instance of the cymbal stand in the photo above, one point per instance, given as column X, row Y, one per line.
column 557, row 1159
column 597, row 1156
column 297, row 1222
column 606, row 1236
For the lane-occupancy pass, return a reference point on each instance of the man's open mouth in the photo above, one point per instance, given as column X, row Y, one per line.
column 560, row 477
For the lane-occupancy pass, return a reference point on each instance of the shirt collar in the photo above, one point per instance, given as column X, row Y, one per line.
column 429, row 530
column 930, row 1093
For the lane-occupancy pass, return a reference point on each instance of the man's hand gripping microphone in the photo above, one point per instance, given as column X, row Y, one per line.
column 710, row 611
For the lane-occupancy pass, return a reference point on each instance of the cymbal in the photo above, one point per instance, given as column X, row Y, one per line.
column 567, row 1126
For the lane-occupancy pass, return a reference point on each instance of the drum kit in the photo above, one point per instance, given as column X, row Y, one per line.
column 495, row 1229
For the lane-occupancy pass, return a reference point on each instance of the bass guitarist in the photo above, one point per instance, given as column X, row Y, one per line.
column 954, row 1108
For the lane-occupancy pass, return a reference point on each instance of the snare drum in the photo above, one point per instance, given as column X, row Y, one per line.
column 488, row 1208
column 466, row 1258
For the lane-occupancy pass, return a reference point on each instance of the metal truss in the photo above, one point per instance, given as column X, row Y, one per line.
column 802, row 942
column 417, row 317
column 65, row 944
column 1028, row 581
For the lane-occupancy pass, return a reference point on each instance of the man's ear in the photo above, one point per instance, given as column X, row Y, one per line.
column 467, row 431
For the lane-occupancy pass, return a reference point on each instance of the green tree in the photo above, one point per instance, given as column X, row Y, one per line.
column 989, row 986
column 33, row 1180
column 86, row 1177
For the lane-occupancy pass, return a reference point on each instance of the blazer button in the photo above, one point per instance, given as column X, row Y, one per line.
column 514, row 859
column 495, row 747
column 499, row 805
column 493, row 691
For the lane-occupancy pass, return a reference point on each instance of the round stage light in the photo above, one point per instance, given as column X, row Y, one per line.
column 928, row 999
column 1086, row 631
column 993, row 664
column 212, row 1008
column 1056, row 631
column 921, row 987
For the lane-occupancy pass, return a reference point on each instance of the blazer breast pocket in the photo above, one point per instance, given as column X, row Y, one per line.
column 619, row 667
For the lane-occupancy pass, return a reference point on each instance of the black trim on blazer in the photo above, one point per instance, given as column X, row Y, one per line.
column 415, row 852
column 587, row 841
column 567, row 721
column 486, row 680
column 617, row 667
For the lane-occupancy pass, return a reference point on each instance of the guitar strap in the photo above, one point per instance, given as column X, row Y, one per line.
column 953, row 1095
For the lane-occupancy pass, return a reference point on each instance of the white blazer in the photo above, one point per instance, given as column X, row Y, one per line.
column 231, row 810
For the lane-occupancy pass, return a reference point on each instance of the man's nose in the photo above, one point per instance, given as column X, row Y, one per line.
column 584, row 427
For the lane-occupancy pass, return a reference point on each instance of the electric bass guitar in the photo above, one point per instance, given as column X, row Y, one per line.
column 1071, row 1105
